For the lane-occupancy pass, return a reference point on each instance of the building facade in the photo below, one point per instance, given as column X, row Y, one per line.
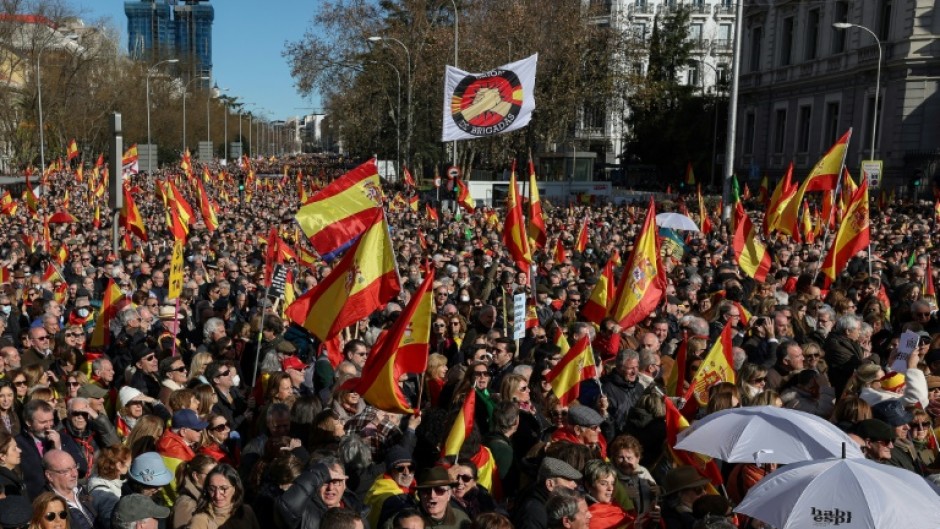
column 804, row 83
column 172, row 29
column 601, row 127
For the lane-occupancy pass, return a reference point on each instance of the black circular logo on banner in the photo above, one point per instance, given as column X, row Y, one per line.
column 488, row 103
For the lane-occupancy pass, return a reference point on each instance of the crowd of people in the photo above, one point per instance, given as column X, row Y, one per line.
column 213, row 410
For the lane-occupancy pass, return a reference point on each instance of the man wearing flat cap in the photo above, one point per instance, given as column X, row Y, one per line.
column 583, row 428
column 554, row 475
column 137, row 511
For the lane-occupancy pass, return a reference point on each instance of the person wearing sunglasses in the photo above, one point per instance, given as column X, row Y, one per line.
column 215, row 439
column 145, row 378
column 318, row 489
column 392, row 488
column 49, row 512
column 173, row 377
column 469, row 495
column 923, row 447
column 40, row 349
column 61, row 472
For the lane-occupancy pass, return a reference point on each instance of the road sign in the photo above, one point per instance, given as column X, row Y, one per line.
column 518, row 317
column 453, row 172
column 872, row 171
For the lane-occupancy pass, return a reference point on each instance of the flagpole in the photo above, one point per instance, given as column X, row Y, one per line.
column 176, row 315
column 264, row 304
column 832, row 207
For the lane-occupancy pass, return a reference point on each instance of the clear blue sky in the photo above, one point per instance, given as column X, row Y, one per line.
column 247, row 39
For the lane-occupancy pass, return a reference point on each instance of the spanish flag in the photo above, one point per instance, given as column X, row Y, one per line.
column 602, row 295
column 130, row 216
column 716, row 367
column 560, row 256
column 783, row 193
column 705, row 223
column 208, row 210
column 576, row 365
column 704, row 465
column 536, row 228
column 343, row 210
column 432, row 213
column 96, row 222
column 409, row 180
column 404, row 349
column 581, row 241
column 464, row 198
column 62, row 217
column 363, row 281
column 72, row 151
column 514, row 236
column 422, row 240
column 413, row 203
column 848, row 189
column 178, row 202
column 5, row 275
column 824, row 177
column 807, row 224
column 763, row 192
column 462, row 426
column 643, row 281
column 289, row 294
column 101, row 336
column 852, row 236
column 689, row 175
column 676, row 376
column 32, row 203
column 561, row 341
column 750, row 253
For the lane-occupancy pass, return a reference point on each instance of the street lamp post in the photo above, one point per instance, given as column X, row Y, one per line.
column 410, row 115
column 150, row 72
column 456, row 48
column 874, row 117
column 185, row 88
column 225, row 126
column 42, row 133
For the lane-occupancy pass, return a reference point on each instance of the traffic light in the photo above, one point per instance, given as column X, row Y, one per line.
column 918, row 178
column 241, row 183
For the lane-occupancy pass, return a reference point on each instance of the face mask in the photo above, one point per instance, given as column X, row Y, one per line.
column 7, row 309
column 82, row 312
column 236, row 381
column 465, row 299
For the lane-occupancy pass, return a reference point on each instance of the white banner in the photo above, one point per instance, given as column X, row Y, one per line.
column 477, row 105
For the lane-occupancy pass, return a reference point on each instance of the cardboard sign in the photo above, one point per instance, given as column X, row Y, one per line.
column 518, row 316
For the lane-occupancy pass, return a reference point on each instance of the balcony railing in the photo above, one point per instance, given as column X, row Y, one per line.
column 642, row 9
column 724, row 10
column 700, row 9
column 723, row 44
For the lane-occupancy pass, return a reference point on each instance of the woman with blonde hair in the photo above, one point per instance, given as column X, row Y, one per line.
column 105, row 486
column 207, row 399
column 143, row 437
column 515, row 388
column 197, row 368
column 865, row 376
column 191, row 477
column 435, row 377
column 751, row 380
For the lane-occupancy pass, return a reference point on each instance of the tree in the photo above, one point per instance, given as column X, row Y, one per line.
column 359, row 88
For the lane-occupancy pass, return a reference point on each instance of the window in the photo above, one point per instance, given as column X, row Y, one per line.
column 639, row 31
column 724, row 36
column 723, row 72
column 695, row 75
column 831, row 126
column 757, row 36
column 780, row 130
column 695, row 33
column 812, row 34
column 595, row 116
column 786, row 42
column 803, row 129
column 840, row 13
column 884, row 26
column 750, row 127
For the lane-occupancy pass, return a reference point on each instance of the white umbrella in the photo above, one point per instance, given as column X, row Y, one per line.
column 676, row 221
column 768, row 434
column 843, row 494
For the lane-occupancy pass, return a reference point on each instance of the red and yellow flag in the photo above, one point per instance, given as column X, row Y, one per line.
column 752, row 256
column 643, row 280
column 705, row 223
column 432, row 213
column 101, row 336
column 704, row 465
column 689, row 175
column 807, row 224
column 763, row 192
column 409, row 180
column 404, row 349
column 207, row 208
column 574, row 367
column 96, row 222
column 560, row 256
column 514, row 236
column 716, row 367
column 852, row 236
column 130, row 216
column 928, row 289
column 72, row 151
column 343, row 210
column 536, row 228
column 602, row 295
column 363, row 281
column 824, row 177
column 413, row 203
column 783, row 194
column 463, row 425
column 581, row 241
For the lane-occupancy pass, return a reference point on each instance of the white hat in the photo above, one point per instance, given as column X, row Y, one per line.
column 128, row 394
